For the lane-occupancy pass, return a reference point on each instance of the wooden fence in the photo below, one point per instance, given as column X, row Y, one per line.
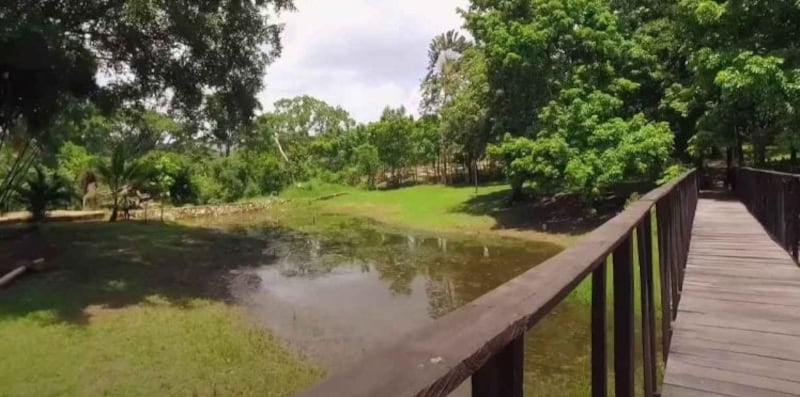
column 485, row 339
column 774, row 199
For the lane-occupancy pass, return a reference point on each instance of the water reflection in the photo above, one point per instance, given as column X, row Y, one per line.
column 338, row 295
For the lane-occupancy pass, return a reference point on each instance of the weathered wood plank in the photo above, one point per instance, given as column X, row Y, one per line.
column 737, row 332
column 739, row 383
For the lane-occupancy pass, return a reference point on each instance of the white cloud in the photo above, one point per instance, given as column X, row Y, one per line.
column 358, row 54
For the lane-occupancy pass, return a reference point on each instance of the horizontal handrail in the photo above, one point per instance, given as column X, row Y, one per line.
column 436, row 359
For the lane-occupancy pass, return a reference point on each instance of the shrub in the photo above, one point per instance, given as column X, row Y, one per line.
column 44, row 191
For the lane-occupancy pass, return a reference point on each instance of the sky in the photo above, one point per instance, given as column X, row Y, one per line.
column 358, row 54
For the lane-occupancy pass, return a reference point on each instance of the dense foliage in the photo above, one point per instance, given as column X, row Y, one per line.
column 567, row 96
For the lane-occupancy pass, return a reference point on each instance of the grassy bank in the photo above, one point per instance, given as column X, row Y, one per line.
column 440, row 209
column 139, row 310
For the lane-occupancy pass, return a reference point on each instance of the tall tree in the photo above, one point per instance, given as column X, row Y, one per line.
column 589, row 132
column 440, row 83
column 120, row 172
column 392, row 136
column 52, row 52
column 744, row 72
column 464, row 119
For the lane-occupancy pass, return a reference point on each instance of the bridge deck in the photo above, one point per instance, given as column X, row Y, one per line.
column 737, row 331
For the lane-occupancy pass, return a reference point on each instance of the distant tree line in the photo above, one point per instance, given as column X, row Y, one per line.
column 570, row 96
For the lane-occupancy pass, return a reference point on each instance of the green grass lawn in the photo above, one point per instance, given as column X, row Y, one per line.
column 434, row 208
column 139, row 310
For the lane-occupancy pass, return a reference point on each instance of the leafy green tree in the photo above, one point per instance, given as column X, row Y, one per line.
column 308, row 133
column 44, row 191
column 169, row 176
column 73, row 160
column 588, row 133
column 368, row 162
column 743, row 74
column 392, row 136
column 425, row 141
column 53, row 50
column 464, row 119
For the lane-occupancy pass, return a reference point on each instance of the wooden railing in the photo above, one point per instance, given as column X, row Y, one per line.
column 485, row 339
column 774, row 199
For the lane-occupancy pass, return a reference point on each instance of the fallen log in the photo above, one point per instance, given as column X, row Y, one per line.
column 330, row 196
column 37, row 265
column 10, row 276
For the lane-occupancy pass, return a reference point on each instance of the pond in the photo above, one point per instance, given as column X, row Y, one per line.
column 337, row 294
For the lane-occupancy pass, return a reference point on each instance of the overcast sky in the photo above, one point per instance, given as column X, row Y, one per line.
column 358, row 54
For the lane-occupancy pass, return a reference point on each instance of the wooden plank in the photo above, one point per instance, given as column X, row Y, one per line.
column 734, row 322
column 673, row 390
column 754, row 364
column 739, row 383
column 737, row 331
column 699, row 343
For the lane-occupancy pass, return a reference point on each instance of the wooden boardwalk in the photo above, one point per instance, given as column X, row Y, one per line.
column 737, row 331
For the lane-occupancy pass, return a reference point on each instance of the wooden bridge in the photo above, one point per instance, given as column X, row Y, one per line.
column 719, row 305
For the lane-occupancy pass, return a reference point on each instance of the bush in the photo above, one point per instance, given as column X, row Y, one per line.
column 269, row 176
column 671, row 173
column 170, row 173
column 209, row 191
column 43, row 191
column 240, row 175
column 73, row 160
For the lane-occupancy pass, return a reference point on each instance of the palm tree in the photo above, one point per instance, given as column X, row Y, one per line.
column 42, row 192
column 443, row 46
column 443, row 52
column 120, row 173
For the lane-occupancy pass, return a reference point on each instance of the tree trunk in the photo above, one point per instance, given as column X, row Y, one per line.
column 444, row 173
column 793, row 158
column 729, row 168
column 114, row 209
column 516, row 192
column 739, row 150
column 475, row 174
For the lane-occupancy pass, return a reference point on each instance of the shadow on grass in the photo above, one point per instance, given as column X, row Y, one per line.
column 109, row 265
column 563, row 213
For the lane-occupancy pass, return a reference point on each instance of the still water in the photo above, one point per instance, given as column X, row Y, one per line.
column 338, row 294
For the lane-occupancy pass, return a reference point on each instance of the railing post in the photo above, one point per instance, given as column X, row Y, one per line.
column 662, row 217
column 645, row 245
column 791, row 203
column 502, row 375
column 599, row 357
column 623, row 319
column 794, row 217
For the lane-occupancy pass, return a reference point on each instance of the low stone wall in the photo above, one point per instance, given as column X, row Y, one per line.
column 177, row 213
